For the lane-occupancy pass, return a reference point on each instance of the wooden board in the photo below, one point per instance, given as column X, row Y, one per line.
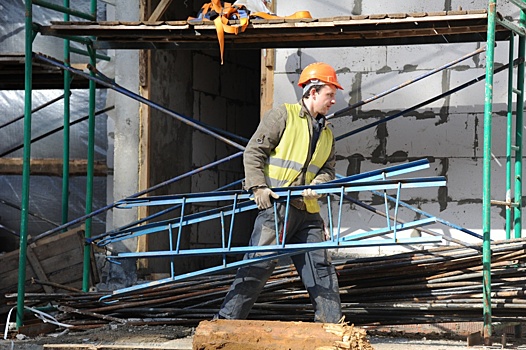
column 51, row 167
column 57, row 259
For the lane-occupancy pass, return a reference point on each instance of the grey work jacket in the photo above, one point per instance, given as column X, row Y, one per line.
column 266, row 138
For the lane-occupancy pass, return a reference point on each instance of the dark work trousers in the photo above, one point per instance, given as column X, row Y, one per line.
column 315, row 269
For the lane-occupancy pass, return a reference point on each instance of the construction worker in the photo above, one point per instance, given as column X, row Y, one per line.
column 292, row 146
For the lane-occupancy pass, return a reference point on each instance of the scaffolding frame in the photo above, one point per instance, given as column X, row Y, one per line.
column 514, row 147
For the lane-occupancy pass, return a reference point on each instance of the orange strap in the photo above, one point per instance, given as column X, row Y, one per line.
column 222, row 25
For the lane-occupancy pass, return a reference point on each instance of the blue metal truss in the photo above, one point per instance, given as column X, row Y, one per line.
column 240, row 201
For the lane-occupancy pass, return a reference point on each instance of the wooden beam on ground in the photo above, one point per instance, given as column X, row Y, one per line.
column 50, row 167
column 275, row 335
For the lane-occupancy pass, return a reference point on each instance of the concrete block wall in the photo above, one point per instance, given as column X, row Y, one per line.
column 449, row 131
column 195, row 84
column 225, row 97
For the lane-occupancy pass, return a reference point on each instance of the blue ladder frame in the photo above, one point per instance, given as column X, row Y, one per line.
column 240, row 201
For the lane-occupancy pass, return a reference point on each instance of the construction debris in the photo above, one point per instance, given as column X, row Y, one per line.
column 419, row 287
column 55, row 263
column 275, row 335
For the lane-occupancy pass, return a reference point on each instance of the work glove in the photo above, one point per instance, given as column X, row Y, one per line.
column 309, row 193
column 262, row 197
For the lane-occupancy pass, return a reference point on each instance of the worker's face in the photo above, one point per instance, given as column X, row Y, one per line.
column 324, row 99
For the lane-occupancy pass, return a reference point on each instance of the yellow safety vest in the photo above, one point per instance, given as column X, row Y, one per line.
column 287, row 160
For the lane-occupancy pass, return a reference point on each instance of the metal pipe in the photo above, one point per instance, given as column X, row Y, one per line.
column 139, row 98
column 67, row 117
column 362, row 295
column 426, row 102
column 99, row 74
column 48, row 103
column 89, row 17
column 51, row 132
column 442, row 221
column 91, row 161
column 519, row 124
column 14, row 206
column 509, row 140
column 486, row 171
column 148, row 190
column 162, row 212
column 85, row 53
column 28, row 85
column 341, row 112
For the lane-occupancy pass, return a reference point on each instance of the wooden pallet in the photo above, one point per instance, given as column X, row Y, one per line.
column 53, row 260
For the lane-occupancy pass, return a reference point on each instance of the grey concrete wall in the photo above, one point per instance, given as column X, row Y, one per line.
column 193, row 84
column 449, row 131
column 225, row 97
column 123, row 135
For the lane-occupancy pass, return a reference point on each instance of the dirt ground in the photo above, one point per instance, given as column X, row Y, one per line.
column 177, row 337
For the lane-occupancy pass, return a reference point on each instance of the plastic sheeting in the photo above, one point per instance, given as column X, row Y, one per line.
column 45, row 191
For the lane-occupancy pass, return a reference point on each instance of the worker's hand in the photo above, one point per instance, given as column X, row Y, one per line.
column 316, row 182
column 262, row 197
column 309, row 193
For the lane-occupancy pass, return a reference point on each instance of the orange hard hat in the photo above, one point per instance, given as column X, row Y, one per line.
column 319, row 71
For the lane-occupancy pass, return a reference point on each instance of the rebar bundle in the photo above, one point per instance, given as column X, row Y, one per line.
column 427, row 286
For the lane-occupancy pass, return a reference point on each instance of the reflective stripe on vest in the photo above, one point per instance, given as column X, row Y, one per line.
column 286, row 161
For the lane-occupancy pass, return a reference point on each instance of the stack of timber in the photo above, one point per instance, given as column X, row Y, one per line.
column 428, row 286
column 53, row 263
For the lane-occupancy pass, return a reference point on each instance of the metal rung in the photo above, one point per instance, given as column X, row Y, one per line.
column 215, row 269
column 347, row 241
column 517, row 91
column 435, row 181
column 511, row 26
column 246, row 204
column 383, row 231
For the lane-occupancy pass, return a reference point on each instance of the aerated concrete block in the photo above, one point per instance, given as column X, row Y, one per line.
column 428, row 57
column 206, row 74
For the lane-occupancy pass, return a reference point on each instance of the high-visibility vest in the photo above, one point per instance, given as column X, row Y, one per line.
column 287, row 160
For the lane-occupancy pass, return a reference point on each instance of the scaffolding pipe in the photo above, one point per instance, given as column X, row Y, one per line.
column 519, row 124
column 51, row 132
column 148, row 190
column 126, row 92
column 67, row 118
column 91, row 161
column 342, row 112
column 89, row 17
column 14, row 206
column 28, row 82
column 509, row 140
column 486, row 176
column 426, row 102
column 48, row 103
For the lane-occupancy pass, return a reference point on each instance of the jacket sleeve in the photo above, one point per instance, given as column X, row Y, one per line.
column 264, row 140
column 328, row 171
